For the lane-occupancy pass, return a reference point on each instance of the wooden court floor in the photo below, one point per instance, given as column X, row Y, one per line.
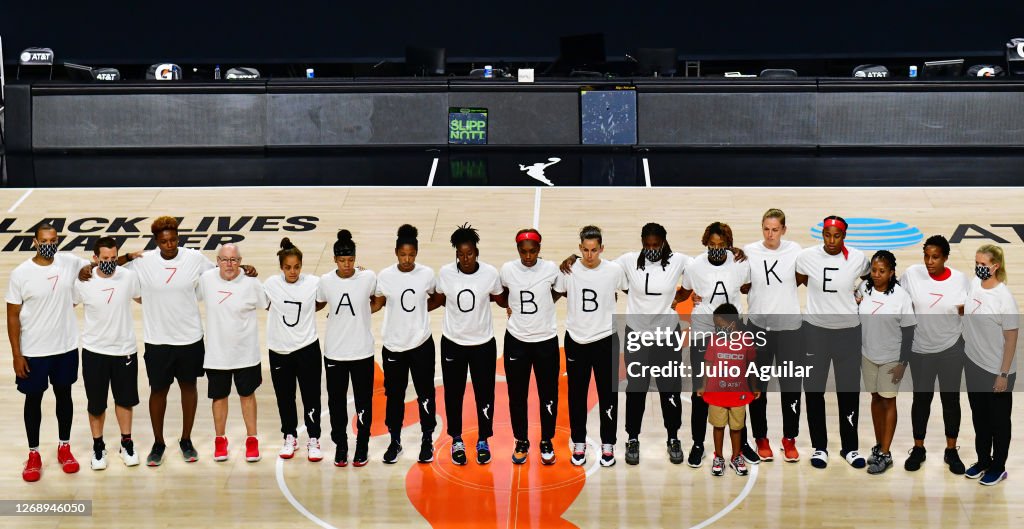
column 297, row 493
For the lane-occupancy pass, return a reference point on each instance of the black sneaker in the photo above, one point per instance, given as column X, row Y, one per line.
column 547, row 452
column 632, row 452
column 362, row 449
column 696, row 456
column 459, row 452
column 675, row 451
column 750, row 454
column 188, row 451
column 392, row 453
column 341, row 455
column 952, row 459
column 483, row 453
column 156, row 455
column 917, row 456
column 427, row 450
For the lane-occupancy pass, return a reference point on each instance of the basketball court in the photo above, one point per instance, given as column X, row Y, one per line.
column 297, row 493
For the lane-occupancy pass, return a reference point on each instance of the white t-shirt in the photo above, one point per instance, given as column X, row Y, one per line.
column 651, row 290
column 716, row 285
column 881, row 316
column 170, row 311
column 467, row 307
column 291, row 321
column 831, row 280
column 232, row 322
column 109, row 327
column 45, row 293
column 773, row 302
column 987, row 313
column 348, row 335
column 590, row 294
column 529, row 297
column 406, row 320
column 935, row 304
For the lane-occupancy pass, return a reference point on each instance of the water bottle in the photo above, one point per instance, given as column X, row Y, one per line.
column 216, row 72
column 488, row 71
column 309, row 73
column 913, row 72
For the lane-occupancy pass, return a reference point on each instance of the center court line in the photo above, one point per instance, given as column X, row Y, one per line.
column 20, row 200
column 433, row 169
column 536, row 208
column 647, row 173
column 734, row 503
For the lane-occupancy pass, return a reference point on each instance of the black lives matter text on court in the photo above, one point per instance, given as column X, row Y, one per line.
column 199, row 232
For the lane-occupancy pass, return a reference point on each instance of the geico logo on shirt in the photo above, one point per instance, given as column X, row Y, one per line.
column 729, row 356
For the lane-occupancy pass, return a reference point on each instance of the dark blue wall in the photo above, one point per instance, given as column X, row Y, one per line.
column 118, row 31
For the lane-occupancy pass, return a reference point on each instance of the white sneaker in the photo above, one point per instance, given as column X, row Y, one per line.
column 288, row 450
column 579, row 454
column 313, row 449
column 607, row 455
column 129, row 460
column 98, row 464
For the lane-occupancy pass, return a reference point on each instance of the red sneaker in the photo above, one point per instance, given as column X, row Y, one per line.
column 220, row 448
column 764, row 449
column 66, row 459
column 33, row 467
column 252, row 449
column 789, row 452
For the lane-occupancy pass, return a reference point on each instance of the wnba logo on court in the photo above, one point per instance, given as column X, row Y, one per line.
column 867, row 233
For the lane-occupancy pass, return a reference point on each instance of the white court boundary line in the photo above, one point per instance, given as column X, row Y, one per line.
column 536, row 208
column 20, row 200
column 433, row 170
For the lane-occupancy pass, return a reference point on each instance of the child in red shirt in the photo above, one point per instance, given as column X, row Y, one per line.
column 725, row 387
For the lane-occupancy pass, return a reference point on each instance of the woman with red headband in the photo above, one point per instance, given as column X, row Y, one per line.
column 832, row 336
column 531, row 342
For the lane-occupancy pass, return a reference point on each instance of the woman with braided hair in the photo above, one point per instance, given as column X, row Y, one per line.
column 887, row 324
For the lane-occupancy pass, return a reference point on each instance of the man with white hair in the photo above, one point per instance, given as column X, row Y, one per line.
column 233, row 303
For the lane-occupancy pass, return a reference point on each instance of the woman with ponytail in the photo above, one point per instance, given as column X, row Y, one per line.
column 347, row 292
column 406, row 290
column 294, row 349
column 887, row 332
column 991, row 320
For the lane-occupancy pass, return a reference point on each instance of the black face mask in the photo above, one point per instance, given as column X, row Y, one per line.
column 717, row 255
column 983, row 272
column 653, row 255
column 48, row 250
column 107, row 267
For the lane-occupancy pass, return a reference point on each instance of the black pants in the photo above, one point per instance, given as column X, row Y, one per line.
column 947, row 367
column 339, row 373
column 839, row 348
column 698, row 406
column 480, row 362
column 991, row 414
column 780, row 347
column 637, row 387
column 520, row 359
column 601, row 358
column 419, row 361
column 301, row 366
column 33, row 414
